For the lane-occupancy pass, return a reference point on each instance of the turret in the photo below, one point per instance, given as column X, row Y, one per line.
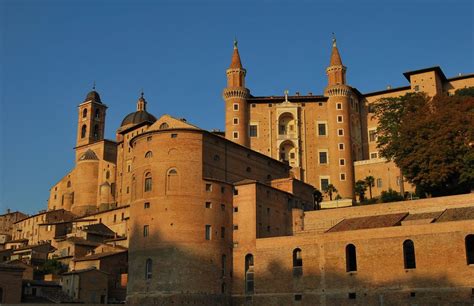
column 339, row 125
column 235, row 96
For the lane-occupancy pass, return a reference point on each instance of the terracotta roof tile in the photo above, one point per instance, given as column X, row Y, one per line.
column 368, row 222
column 457, row 214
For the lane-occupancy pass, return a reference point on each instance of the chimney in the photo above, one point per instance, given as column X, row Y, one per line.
column 297, row 93
column 389, row 86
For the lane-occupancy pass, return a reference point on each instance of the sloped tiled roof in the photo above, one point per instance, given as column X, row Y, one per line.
column 456, row 214
column 423, row 216
column 99, row 229
column 99, row 255
column 368, row 222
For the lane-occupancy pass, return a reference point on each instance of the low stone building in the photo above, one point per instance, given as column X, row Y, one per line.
column 86, row 285
column 10, row 283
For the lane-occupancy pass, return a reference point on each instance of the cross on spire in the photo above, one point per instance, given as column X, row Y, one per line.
column 333, row 39
column 93, row 86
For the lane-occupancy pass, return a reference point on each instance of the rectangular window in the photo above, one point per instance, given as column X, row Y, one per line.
column 373, row 155
column 145, row 230
column 222, row 189
column 236, row 209
column 372, row 135
column 223, row 207
column 236, row 192
column 322, row 129
column 208, row 232
column 115, row 218
column 235, row 135
column 339, row 118
column 324, row 183
column 147, row 184
column 208, row 205
column 146, row 205
column 236, row 106
column 174, row 135
column 339, row 106
column 222, row 232
column 379, row 183
column 342, row 176
column 148, row 138
column 208, row 187
column 417, row 88
column 323, row 157
column 236, row 227
column 342, row 162
column 340, row 132
column 253, row 130
column 236, row 121
column 341, row 147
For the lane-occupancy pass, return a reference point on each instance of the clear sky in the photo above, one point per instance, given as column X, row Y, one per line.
column 51, row 52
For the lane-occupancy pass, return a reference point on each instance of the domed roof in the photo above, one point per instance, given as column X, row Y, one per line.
column 138, row 117
column 94, row 96
column 89, row 155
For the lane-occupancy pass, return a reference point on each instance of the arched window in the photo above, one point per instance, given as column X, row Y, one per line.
column 148, row 268
column 409, row 254
column 96, row 131
column 172, row 180
column 107, row 175
column 288, row 152
column 97, row 113
column 84, row 113
column 164, row 125
column 249, row 274
column 83, row 131
column 68, row 184
column 351, row 258
column 148, row 182
column 470, row 249
column 148, row 154
column 297, row 263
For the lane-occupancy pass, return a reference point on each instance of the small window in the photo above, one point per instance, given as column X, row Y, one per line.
column 342, row 176
column 339, row 106
column 149, row 138
column 84, row 113
column 236, row 121
column 339, row 118
column 235, row 135
column 351, row 259
column 352, row 295
column 148, row 182
column 340, row 132
column 146, row 205
column 236, row 209
column 115, row 218
column 223, row 265
column 68, row 184
column 236, row 191
column 145, row 230
column 235, row 227
column 324, row 183
column 223, row 207
column 208, row 205
column 341, row 147
column 236, row 106
column 249, row 274
column 372, row 135
column 298, row 297
column 373, row 155
column 322, row 129
column 164, row 125
column 253, row 130
column 470, row 249
column 379, row 183
column 208, row 187
column 342, row 162
column 323, row 157
column 222, row 189
column 83, row 131
column 208, row 232
column 149, row 154
column 97, row 113
column 248, row 169
column 222, row 232
column 148, row 269
column 174, row 135
column 96, row 132
column 107, row 174
column 409, row 254
column 416, row 88
column 297, row 259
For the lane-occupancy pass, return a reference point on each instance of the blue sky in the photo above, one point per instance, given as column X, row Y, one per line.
column 51, row 52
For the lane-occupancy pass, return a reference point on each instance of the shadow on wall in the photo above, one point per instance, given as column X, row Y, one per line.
column 166, row 271
column 275, row 284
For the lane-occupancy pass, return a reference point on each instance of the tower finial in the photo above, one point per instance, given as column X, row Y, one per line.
column 333, row 39
column 235, row 42
column 93, row 85
column 286, row 95
column 142, row 93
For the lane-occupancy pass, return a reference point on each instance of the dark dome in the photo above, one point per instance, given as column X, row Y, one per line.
column 94, row 96
column 138, row 117
column 89, row 155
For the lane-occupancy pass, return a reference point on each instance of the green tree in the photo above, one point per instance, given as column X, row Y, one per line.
column 360, row 189
column 370, row 182
column 390, row 196
column 318, row 198
column 430, row 140
column 330, row 190
column 466, row 92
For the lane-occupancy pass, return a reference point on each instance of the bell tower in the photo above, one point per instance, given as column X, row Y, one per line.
column 235, row 96
column 91, row 120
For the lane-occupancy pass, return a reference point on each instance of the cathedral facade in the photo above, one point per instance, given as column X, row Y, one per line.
column 219, row 219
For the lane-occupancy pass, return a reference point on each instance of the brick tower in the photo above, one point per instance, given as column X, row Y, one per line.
column 91, row 120
column 339, row 125
column 235, row 96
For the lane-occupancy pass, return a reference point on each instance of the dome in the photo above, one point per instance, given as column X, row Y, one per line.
column 94, row 96
column 138, row 117
column 89, row 155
